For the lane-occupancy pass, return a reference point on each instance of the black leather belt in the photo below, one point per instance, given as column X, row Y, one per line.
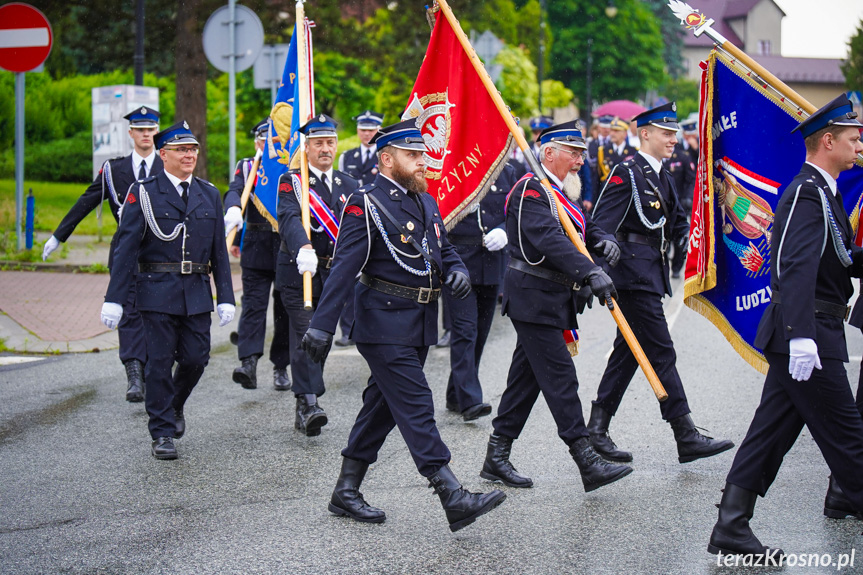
column 184, row 267
column 634, row 238
column 821, row 306
column 259, row 228
column 419, row 295
column 459, row 240
column 327, row 263
column 543, row 273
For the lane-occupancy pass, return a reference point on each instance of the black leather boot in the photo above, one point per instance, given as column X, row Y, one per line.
column 595, row 471
column 836, row 505
column 347, row 499
column 247, row 374
column 600, row 440
column 135, row 377
column 732, row 534
column 691, row 445
column 461, row 506
column 310, row 416
column 180, row 420
column 281, row 381
column 497, row 466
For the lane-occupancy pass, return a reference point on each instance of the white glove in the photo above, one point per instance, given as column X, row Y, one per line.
column 804, row 357
column 226, row 313
column 307, row 261
column 51, row 244
column 494, row 240
column 233, row 219
column 112, row 313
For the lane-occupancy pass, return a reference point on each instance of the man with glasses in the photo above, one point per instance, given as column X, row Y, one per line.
column 172, row 233
column 540, row 295
column 114, row 180
column 641, row 207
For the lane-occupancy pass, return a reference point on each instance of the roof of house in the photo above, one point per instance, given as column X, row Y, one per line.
column 803, row 70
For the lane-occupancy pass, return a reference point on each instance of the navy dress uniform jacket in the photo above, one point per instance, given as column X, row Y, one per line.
column 484, row 267
column 642, row 267
column 260, row 241
column 113, row 183
column 293, row 235
column 382, row 318
column 805, row 265
column 351, row 163
column 172, row 293
column 681, row 166
column 542, row 241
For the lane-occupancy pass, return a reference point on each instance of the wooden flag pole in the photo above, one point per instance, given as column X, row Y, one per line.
column 568, row 226
column 247, row 192
column 302, row 78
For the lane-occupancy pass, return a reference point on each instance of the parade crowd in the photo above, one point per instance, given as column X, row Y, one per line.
column 381, row 260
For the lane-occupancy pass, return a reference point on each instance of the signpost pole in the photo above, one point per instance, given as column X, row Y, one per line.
column 232, row 88
column 19, row 154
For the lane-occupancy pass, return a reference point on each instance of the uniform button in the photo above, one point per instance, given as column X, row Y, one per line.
column 389, row 303
column 788, row 328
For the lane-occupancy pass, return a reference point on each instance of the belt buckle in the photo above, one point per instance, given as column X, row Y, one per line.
column 424, row 295
column 185, row 267
column 329, row 263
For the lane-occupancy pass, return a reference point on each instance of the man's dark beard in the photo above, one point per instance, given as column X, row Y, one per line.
column 408, row 180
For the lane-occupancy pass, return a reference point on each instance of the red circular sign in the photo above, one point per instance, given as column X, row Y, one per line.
column 25, row 37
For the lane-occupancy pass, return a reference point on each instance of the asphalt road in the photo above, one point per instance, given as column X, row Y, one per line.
column 80, row 493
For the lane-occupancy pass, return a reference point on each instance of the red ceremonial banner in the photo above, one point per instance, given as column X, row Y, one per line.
column 468, row 141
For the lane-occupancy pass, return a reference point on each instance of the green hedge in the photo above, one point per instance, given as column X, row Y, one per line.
column 66, row 160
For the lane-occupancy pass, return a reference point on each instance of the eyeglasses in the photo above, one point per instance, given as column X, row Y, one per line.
column 572, row 153
column 184, row 151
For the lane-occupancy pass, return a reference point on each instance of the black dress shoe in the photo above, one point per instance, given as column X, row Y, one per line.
column 310, row 416
column 135, row 377
column 281, row 381
column 247, row 374
column 180, row 420
column 344, row 341
column 444, row 340
column 476, row 411
column 163, row 448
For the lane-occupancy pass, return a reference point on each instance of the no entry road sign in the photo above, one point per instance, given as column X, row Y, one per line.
column 25, row 37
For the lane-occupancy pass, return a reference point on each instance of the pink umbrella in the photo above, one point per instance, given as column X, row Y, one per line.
column 623, row 109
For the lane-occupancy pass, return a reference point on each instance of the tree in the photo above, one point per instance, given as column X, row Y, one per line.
column 672, row 37
column 626, row 50
column 519, row 88
column 852, row 68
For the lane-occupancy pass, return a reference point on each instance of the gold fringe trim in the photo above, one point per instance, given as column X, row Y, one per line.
column 264, row 212
column 573, row 348
column 461, row 211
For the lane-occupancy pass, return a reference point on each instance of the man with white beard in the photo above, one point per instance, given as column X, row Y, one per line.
column 541, row 288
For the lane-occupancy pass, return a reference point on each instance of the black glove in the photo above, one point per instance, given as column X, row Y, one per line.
column 601, row 286
column 610, row 251
column 316, row 343
column 459, row 284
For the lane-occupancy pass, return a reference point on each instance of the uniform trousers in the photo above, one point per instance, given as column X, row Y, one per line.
column 644, row 313
column 252, row 329
column 540, row 362
column 825, row 405
column 307, row 376
column 471, row 319
column 397, row 395
column 346, row 321
column 173, row 338
column 133, row 344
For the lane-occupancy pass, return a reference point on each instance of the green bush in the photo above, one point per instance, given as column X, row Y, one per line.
column 65, row 160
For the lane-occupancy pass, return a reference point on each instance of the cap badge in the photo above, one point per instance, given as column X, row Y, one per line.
column 410, row 226
column 143, row 110
column 674, row 106
column 185, row 124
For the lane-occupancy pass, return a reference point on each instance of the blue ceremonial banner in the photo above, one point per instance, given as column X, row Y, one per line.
column 274, row 161
column 747, row 157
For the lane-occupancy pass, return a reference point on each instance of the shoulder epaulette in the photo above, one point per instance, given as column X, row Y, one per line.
column 150, row 178
column 203, row 181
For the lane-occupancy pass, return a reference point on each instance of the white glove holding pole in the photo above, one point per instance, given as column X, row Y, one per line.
column 51, row 244
column 494, row 240
column 226, row 313
column 804, row 357
column 112, row 313
column 307, row 261
column 233, row 219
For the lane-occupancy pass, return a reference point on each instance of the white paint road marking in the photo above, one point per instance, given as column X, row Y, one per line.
column 16, row 359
